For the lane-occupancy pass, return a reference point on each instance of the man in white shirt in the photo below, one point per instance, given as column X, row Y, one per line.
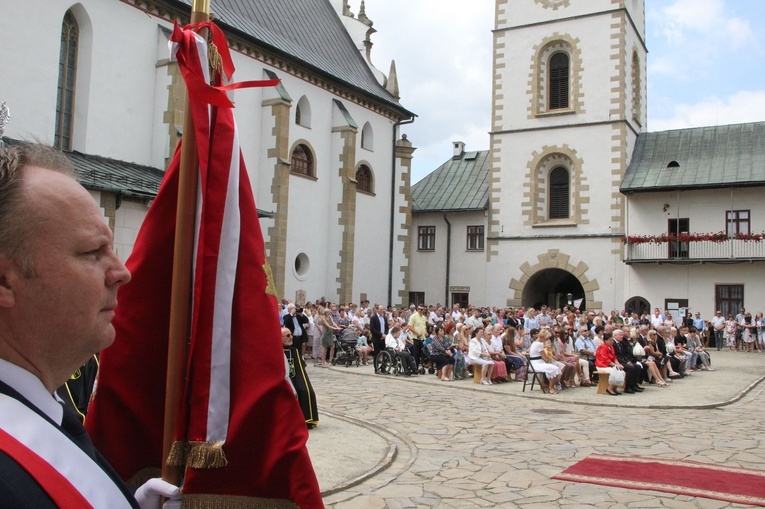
column 58, row 290
column 718, row 322
column 395, row 343
column 657, row 319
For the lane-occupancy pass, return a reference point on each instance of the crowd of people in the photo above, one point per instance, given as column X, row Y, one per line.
column 571, row 347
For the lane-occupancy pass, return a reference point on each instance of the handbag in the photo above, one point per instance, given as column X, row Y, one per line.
column 616, row 377
column 638, row 350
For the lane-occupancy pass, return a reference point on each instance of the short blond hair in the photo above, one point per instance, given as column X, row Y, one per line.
column 14, row 225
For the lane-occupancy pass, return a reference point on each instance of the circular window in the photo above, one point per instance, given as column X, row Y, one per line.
column 302, row 265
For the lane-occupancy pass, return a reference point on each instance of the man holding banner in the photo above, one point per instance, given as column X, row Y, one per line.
column 58, row 293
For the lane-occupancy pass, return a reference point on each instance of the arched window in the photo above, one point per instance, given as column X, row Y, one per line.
column 636, row 103
column 303, row 112
column 559, row 194
column 67, row 76
column 364, row 179
column 559, row 72
column 302, row 161
column 367, row 137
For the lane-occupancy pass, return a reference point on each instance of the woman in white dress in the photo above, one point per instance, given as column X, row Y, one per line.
column 538, row 361
column 478, row 355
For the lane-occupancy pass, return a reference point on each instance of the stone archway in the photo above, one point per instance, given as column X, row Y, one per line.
column 540, row 278
column 550, row 287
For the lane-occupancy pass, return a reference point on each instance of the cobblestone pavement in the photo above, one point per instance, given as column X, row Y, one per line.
column 386, row 442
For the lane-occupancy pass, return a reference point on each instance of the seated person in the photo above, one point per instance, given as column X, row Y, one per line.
column 499, row 375
column 512, row 356
column 363, row 347
column 396, row 346
column 541, row 362
column 586, row 347
column 441, row 354
column 696, row 348
column 478, row 355
column 605, row 360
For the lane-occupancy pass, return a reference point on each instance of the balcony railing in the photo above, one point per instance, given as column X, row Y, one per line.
column 695, row 251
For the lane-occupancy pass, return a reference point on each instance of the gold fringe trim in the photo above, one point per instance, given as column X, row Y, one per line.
column 204, row 455
column 234, row 502
column 177, row 456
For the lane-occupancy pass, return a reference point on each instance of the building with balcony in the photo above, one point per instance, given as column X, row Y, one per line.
column 696, row 217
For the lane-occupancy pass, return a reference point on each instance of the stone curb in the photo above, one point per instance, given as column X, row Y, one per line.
column 390, row 457
column 732, row 400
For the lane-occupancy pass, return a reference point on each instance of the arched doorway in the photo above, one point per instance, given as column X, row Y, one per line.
column 638, row 305
column 550, row 287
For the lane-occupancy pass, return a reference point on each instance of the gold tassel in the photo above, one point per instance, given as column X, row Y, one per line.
column 215, row 62
column 177, row 456
column 234, row 502
column 204, row 455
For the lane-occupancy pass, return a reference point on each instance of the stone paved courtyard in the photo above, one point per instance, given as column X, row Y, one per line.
column 386, row 442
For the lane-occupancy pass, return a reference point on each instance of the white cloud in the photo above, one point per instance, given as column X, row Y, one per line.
column 744, row 106
column 698, row 34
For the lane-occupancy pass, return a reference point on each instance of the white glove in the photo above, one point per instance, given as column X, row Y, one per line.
column 149, row 495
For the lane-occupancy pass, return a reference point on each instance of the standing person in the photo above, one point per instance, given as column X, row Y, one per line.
column 418, row 330
column 718, row 322
column 60, row 278
column 297, row 323
column 760, row 321
column 378, row 327
column 328, row 330
column 299, row 379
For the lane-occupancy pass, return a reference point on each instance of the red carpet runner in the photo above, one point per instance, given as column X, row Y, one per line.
column 683, row 477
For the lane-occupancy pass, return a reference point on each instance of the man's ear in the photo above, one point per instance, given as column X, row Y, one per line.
column 9, row 275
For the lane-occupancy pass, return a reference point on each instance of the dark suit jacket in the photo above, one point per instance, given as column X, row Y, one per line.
column 19, row 490
column 302, row 323
column 623, row 351
column 376, row 328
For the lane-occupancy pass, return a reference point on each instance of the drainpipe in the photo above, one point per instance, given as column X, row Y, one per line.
column 448, row 256
column 393, row 204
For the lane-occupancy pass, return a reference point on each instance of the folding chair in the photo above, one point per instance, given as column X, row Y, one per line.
column 536, row 376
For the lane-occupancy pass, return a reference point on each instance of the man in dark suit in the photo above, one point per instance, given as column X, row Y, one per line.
column 378, row 326
column 58, row 289
column 297, row 323
column 632, row 369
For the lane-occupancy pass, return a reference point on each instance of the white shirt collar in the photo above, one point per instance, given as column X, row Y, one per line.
column 32, row 388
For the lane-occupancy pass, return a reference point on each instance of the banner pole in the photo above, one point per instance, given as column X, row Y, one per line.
column 180, row 301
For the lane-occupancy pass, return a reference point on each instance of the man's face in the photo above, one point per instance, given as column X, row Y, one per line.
column 286, row 337
column 381, row 309
column 67, row 307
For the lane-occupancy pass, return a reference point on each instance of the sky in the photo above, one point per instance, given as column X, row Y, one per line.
column 704, row 67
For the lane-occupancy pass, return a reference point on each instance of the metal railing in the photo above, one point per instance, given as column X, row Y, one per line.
column 676, row 251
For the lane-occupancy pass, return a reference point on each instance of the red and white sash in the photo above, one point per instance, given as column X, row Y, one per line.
column 50, row 456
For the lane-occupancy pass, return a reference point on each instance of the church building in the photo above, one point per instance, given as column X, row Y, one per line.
column 327, row 160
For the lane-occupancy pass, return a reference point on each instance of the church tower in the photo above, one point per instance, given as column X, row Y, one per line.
column 568, row 103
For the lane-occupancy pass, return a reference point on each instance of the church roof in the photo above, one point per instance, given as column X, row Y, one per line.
column 307, row 30
column 106, row 174
column 697, row 158
column 461, row 184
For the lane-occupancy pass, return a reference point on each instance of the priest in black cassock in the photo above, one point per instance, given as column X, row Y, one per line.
column 299, row 378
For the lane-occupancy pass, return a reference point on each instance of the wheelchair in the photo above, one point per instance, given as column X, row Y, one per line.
column 389, row 363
